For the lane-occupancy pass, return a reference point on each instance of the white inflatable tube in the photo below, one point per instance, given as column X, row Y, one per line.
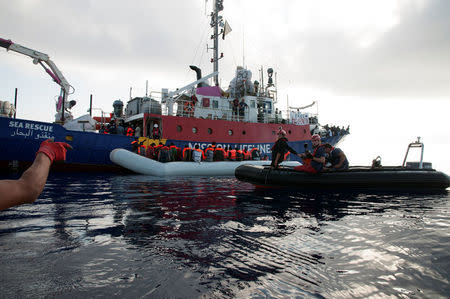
column 143, row 165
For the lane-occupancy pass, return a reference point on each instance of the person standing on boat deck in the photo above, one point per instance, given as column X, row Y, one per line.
column 197, row 154
column 242, row 106
column 235, row 105
column 314, row 162
column 336, row 158
column 280, row 148
column 30, row 185
column 155, row 132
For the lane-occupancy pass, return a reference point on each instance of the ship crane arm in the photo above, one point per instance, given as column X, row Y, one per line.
column 48, row 65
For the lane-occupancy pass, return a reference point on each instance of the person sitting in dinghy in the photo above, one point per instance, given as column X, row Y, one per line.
column 313, row 163
column 336, row 158
column 280, row 148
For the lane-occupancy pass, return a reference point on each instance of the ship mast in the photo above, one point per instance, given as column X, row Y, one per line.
column 215, row 21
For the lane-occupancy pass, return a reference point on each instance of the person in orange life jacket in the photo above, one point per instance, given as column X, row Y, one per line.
column 187, row 153
column 197, row 154
column 135, row 145
column 219, row 154
column 231, row 153
column 280, row 148
column 142, row 149
column 246, row 153
column 173, row 152
column 227, row 152
column 30, row 185
column 336, row 158
column 150, row 152
column 157, row 149
column 164, row 154
column 130, row 131
column 156, row 133
column 255, row 154
column 314, row 162
column 239, row 155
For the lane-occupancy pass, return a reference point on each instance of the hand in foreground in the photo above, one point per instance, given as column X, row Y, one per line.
column 55, row 151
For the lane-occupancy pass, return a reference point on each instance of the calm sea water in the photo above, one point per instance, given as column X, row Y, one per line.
column 137, row 237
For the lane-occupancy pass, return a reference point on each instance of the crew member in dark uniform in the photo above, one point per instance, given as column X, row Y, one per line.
column 280, row 148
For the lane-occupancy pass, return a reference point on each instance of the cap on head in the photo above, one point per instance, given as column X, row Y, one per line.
column 281, row 132
column 155, row 125
column 315, row 137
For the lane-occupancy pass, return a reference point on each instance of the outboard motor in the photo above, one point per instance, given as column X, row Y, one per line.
column 198, row 71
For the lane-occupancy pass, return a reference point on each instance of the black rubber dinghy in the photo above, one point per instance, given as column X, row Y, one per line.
column 356, row 178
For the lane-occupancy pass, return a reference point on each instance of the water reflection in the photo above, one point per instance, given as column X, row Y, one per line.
column 232, row 239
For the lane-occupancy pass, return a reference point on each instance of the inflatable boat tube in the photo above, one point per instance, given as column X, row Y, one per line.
column 384, row 178
column 143, row 165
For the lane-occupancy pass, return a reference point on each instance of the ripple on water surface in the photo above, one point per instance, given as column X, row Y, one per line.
column 137, row 236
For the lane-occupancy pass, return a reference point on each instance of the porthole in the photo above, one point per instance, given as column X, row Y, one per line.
column 289, row 132
column 230, row 132
column 209, row 131
column 179, row 128
column 194, row 130
column 243, row 132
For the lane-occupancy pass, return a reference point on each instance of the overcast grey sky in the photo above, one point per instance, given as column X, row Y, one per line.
column 344, row 53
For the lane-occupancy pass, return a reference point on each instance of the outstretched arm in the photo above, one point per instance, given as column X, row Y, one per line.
column 28, row 187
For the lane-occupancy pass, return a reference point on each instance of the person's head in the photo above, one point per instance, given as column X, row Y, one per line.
column 328, row 148
column 197, row 146
column 315, row 140
column 281, row 133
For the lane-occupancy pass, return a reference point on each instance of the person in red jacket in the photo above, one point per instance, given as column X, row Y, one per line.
column 30, row 185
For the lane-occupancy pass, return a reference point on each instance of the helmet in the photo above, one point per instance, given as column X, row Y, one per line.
column 315, row 137
column 155, row 125
column 282, row 132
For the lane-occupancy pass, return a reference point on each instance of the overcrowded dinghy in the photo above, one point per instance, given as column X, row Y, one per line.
column 143, row 165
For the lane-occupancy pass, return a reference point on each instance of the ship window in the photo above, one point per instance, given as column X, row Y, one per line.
column 179, row 128
column 252, row 104
column 243, row 132
column 215, row 104
column 194, row 130
column 304, row 131
column 289, row 132
column 209, row 131
column 230, row 132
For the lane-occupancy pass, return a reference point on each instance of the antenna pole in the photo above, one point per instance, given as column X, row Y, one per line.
column 215, row 20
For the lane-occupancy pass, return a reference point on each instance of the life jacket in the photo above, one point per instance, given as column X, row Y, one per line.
column 141, row 150
column 150, row 152
column 219, row 154
column 164, row 154
column 130, row 131
column 209, row 154
column 187, row 154
column 155, row 132
column 286, row 155
column 246, row 155
column 239, row 155
column 173, row 152
column 255, row 154
column 307, row 161
column 232, row 155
